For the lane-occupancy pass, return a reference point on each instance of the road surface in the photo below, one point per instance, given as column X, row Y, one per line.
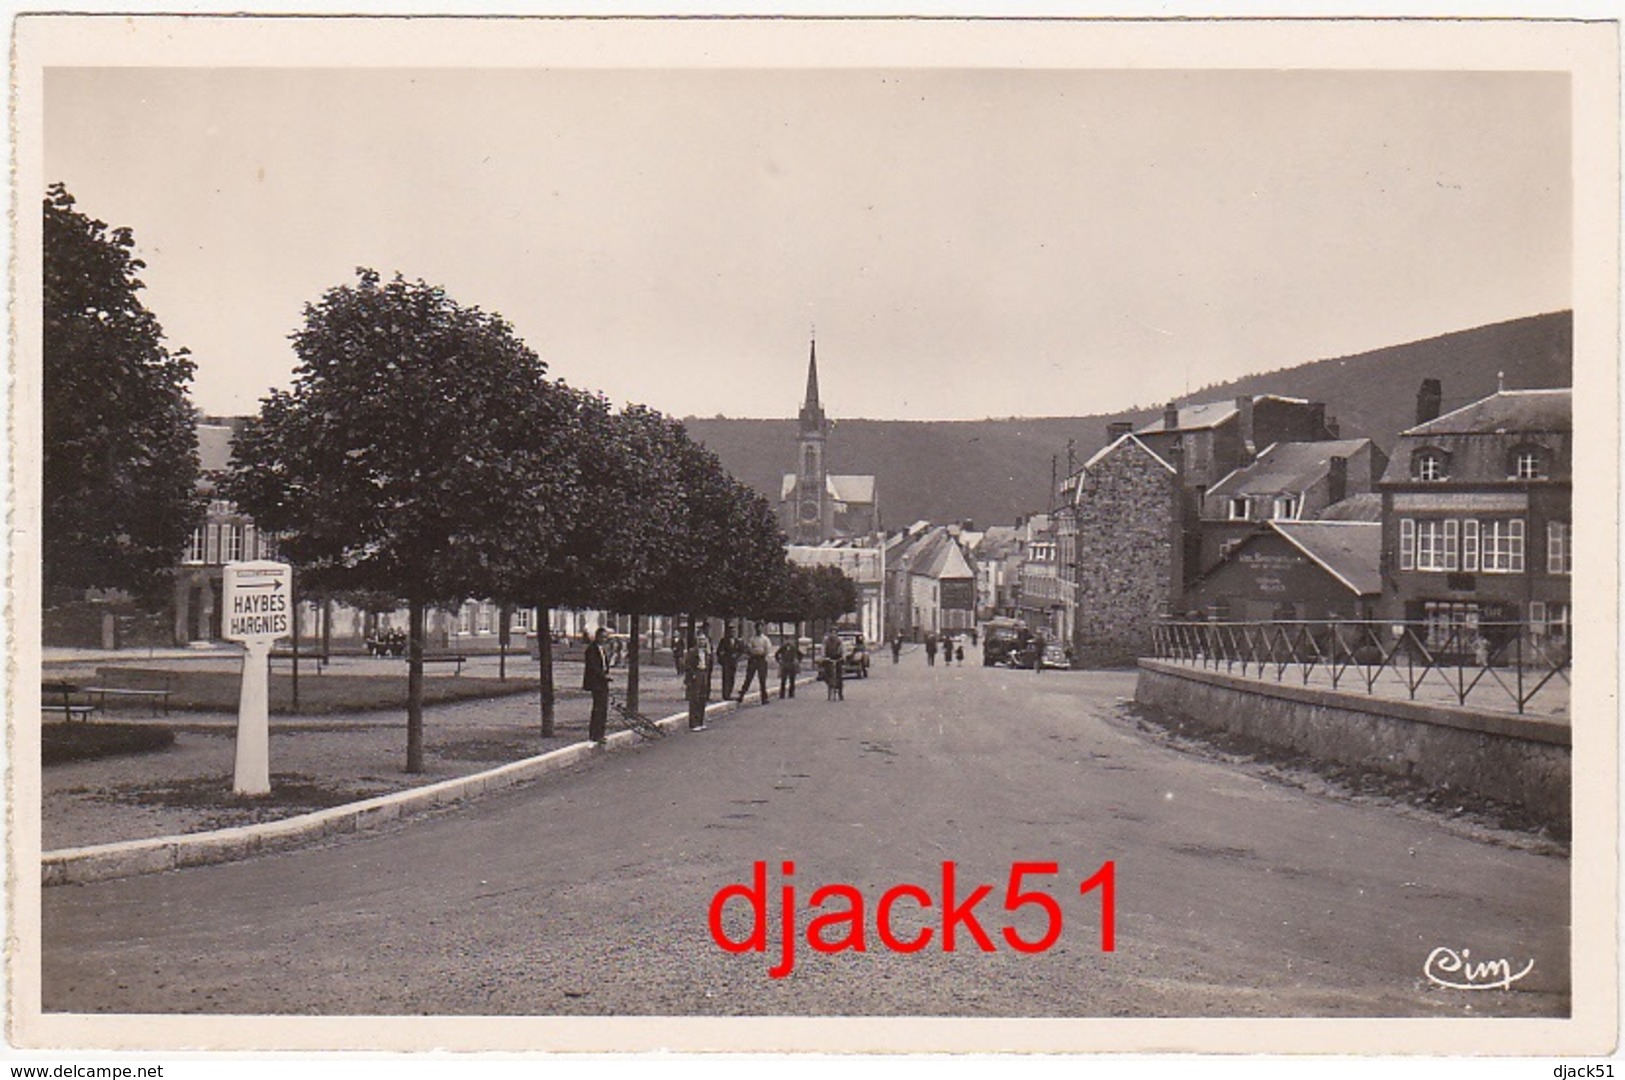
column 588, row 892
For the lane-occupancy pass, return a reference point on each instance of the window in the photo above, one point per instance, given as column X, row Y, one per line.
column 1559, row 549
column 483, row 626
column 231, row 543
column 465, row 619
column 1501, row 546
column 211, row 544
column 1436, row 545
column 1469, row 545
column 1285, row 509
column 520, row 619
column 1527, row 463
column 1238, row 508
column 194, row 547
column 1430, row 465
column 1407, row 544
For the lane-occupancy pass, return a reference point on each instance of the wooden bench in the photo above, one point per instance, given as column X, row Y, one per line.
column 132, row 684
column 155, row 698
column 446, row 658
column 317, row 655
column 57, row 688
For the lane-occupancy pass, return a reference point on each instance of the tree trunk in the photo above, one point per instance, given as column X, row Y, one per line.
column 504, row 624
column 327, row 626
column 544, row 652
column 414, row 685
column 632, row 666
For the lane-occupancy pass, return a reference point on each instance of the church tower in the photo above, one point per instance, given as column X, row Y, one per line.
column 811, row 501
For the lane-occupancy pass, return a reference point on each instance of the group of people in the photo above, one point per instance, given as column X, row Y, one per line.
column 695, row 664
column 952, row 650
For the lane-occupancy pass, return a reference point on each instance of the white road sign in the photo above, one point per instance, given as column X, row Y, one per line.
column 256, row 601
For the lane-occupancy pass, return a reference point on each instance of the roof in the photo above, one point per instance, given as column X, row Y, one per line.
column 1287, row 467
column 847, row 489
column 1209, row 414
column 1350, row 551
column 1366, row 506
column 1109, row 448
column 935, row 557
column 213, row 447
column 1506, row 411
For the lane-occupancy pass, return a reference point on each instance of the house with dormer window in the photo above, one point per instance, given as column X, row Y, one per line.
column 1477, row 513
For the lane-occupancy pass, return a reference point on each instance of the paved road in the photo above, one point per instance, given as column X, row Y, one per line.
column 588, row 892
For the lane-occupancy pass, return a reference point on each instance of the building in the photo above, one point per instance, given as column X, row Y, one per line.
column 815, row 505
column 1292, row 481
column 1294, row 570
column 1127, row 508
column 1043, row 594
column 865, row 567
column 1218, row 437
column 931, row 583
column 1477, row 521
column 997, row 557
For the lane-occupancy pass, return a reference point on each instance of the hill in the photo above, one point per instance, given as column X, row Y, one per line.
column 991, row 471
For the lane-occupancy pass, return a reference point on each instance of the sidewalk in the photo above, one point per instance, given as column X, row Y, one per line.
column 316, row 762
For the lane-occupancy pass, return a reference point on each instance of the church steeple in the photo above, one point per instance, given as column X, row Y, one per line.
column 812, row 413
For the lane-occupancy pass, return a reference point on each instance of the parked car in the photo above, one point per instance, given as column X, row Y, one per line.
column 854, row 654
column 1055, row 657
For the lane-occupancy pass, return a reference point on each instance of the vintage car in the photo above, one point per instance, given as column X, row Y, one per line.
column 854, row 654
column 1005, row 642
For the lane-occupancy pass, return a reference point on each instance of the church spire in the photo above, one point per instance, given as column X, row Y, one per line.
column 812, row 412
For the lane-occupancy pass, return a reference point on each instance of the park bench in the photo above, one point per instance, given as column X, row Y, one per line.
column 317, row 655
column 57, row 696
column 446, row 658
column 126, row 684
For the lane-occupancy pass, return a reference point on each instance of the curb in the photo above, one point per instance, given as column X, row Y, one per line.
column 129, row 858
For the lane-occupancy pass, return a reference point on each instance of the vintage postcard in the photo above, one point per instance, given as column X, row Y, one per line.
column 951, row 534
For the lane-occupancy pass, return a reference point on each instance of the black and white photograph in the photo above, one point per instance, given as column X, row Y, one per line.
column 789, row 535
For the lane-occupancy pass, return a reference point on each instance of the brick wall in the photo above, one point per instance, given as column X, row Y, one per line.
column 1124, row 555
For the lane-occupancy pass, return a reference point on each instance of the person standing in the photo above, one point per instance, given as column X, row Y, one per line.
column 789, row 658
column 596, row 682
column 931, row 649
column 697, row 681
column 1038, row 652
column 728, row 656
column 897, row 647
column 760, row 647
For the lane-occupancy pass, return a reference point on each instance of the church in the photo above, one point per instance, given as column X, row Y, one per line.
column 815, row 505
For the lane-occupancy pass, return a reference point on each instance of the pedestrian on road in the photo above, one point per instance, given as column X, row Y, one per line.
column 1038, row 652
column 789, row 658
column 931, row 650
column 596, row 682
column 897, row 647
column 697, row 680
column 760, row 647
column 728, row 656
column 959, row 654
column 832, row 661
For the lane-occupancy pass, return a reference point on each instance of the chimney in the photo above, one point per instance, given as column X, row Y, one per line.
column 1244, row 407
column 1317, row 420
column 1428, row 400
column 1117, row 430
column 1337, row 480
column 1332, row 427
column 1170, row 417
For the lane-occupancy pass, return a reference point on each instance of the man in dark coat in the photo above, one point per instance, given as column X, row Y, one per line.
column 596, row 681
column 697, row 680
column 728, row 658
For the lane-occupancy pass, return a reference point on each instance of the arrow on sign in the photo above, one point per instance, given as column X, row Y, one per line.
column 277, row 585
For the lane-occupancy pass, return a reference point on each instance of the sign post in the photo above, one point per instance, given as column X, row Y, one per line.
column 258, row 610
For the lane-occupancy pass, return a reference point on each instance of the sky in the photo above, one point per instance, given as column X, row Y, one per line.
column 967, row 242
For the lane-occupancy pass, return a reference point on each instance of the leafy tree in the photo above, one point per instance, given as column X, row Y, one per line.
column 403, row 454
column 120, row 463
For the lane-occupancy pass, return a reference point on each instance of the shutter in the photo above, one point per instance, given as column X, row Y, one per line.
column 1407, row 544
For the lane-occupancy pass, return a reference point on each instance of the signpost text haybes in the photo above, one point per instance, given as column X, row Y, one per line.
column 259, row 609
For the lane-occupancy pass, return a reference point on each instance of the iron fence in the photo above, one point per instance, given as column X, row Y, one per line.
column 1498, row 661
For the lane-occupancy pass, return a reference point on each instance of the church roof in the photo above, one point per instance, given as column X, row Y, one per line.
column 852, row 490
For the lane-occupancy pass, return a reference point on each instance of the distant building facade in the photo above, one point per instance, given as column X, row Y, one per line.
column 865, row 567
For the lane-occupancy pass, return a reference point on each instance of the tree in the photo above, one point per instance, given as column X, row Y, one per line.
column 402, row 459
column 120, row 463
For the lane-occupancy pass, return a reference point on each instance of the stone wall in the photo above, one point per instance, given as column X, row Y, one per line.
column 1518, row 760
column 1124, row 554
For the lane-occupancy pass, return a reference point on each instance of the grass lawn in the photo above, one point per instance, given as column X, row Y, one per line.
column 66, row 741
column 332, row 692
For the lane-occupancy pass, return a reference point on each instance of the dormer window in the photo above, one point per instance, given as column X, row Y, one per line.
column 1527, row 463
column 1285, row 508
column 1430, row 464
column 1238, row 508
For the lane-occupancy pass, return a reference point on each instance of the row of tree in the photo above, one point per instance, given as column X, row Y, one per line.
column 421, row 452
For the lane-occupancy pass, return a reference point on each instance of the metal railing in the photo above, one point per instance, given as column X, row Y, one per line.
column 1508, row 662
